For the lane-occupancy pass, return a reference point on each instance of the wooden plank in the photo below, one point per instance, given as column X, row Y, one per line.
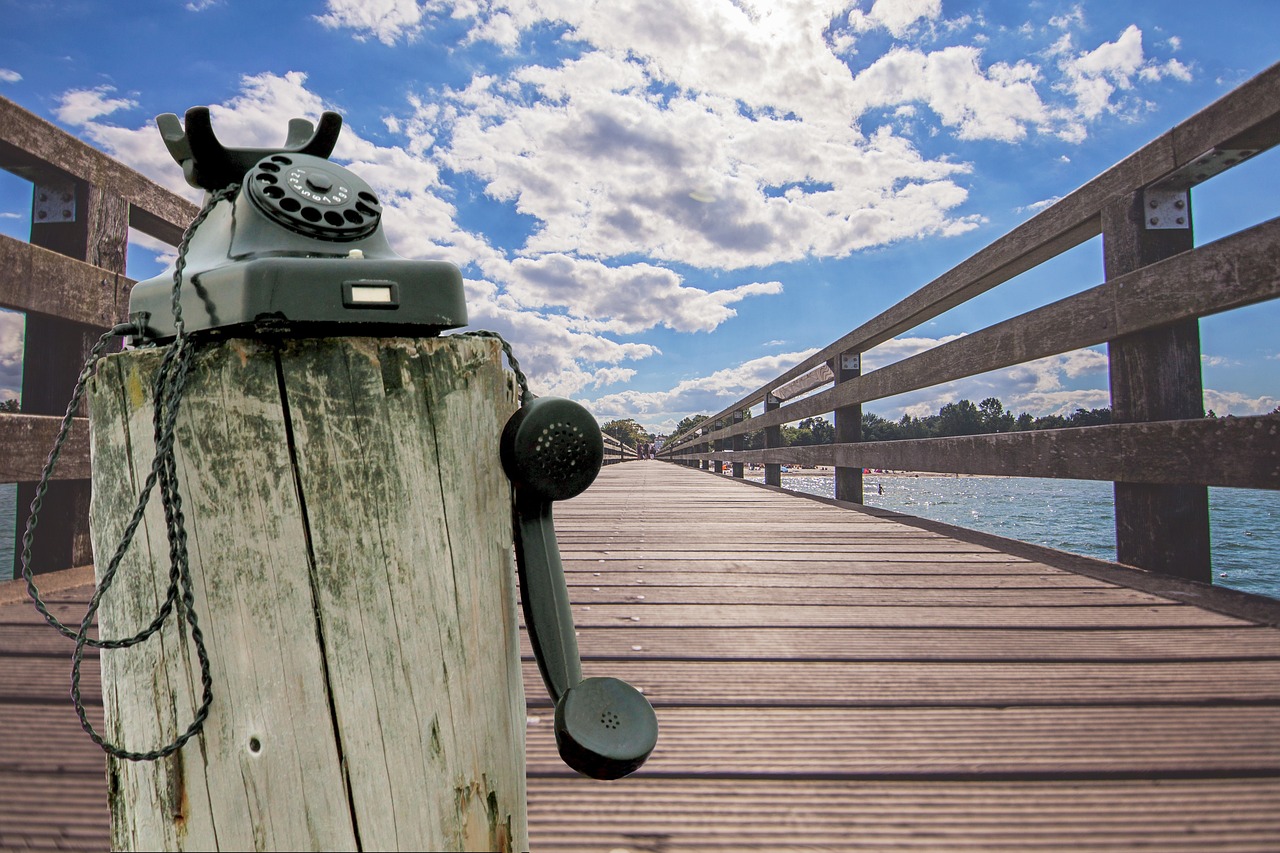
column 701, row 814
column 1238, row 452
column 898, row 742
column 927, row 684
column 716, row 596
column 870, row 615
column 27, row 440
column 638, row 581
column 990, row 644
column 39, row 280
column 29, row 142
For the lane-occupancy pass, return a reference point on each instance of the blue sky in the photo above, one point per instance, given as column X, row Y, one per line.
column 663, row 203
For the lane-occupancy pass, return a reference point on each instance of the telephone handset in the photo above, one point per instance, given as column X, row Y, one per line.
column 299, row 250
column 552, row 449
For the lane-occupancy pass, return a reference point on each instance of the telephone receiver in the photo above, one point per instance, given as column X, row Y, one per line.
column 552, row 450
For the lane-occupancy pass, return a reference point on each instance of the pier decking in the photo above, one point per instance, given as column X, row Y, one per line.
column 828, row 678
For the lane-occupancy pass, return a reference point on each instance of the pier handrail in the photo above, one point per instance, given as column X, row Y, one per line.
column 615, row 451
column 1157, row 286
column 68, row 279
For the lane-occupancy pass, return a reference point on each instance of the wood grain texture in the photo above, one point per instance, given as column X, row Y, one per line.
column 356, row 597
column 39, row 280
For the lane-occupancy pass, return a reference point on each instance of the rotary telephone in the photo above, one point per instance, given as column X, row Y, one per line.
column 299, row 250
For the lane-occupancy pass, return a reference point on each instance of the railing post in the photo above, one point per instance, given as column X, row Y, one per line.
column 739, row 443
column 848, row 427
column 83, row 222
column 772, row 438
column 719, row 447
column 1155, row 376
column 704, row 446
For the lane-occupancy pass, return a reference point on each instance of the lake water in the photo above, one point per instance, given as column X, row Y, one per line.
column 1073, row 515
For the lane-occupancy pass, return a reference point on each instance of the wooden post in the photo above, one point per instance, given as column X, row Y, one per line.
column 848, row 428
column 83, row 222
column 772, row 438
column 719, row 448
column 1155, row 376
column 349, row 526
column 739, row 444
column 704, row 446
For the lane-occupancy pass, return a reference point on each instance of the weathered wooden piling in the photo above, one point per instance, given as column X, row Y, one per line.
column 349, row 528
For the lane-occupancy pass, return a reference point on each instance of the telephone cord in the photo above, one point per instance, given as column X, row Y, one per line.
column 168, row 388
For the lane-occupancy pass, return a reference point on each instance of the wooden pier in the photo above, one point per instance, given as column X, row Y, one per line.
column 829, row 678
column 826, row 676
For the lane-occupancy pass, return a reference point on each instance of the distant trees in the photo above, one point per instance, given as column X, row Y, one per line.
column 964, row 418
column 959, row 418
column 628, row 432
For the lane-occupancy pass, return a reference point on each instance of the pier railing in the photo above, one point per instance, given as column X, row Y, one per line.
column 1160, row 450
column 69, row 280
column 615, row 451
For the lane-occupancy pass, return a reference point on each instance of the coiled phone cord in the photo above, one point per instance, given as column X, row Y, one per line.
column 170, row 382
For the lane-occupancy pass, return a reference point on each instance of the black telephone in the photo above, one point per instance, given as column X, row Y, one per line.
column 300, row 251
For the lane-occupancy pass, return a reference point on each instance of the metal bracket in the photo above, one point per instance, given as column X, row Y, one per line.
column 851, row 361
column 54, row 201
column 1199, row 169
column 1165, row 209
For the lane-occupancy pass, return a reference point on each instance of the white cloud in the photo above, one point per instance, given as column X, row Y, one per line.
column 386, row 20
column 608, row 169
column 8, row 75
column 626, row 299
column 1218, row 361
column 897, row 16
column 12, row 325
column 660, row 411
column 996, row 104
column 81, row 106
column 1239, row 404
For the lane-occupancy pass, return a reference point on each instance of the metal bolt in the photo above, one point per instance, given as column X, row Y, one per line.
column 1179, row 204
column 66, row 196
column 1182, row 221
column 42, row 215
column 1155, row 220
column 1153, row 204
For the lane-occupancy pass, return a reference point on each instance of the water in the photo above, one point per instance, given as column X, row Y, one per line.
column 1073, row 515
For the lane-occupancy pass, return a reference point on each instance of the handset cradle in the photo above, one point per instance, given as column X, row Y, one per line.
column 552, row 450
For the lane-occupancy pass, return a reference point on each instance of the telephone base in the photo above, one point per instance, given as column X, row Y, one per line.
column 308, row 297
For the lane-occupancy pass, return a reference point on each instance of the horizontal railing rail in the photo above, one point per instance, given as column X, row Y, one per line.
column 1157, row 286
column 615, row 451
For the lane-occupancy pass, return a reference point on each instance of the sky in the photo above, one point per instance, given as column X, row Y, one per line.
column 664, row 203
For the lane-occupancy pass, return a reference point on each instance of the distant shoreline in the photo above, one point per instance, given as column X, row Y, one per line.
column 829, row 471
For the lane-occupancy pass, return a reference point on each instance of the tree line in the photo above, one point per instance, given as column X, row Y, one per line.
column 961, row 418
